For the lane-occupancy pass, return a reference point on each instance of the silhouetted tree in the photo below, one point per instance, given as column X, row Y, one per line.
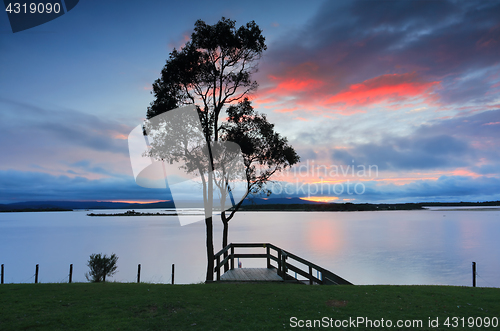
column 211, row 71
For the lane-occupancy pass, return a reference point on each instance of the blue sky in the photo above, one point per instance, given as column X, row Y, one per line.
column 410, row 88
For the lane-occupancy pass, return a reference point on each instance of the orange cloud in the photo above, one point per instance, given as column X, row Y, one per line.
column 137, row 201
column 385, row 88
column 120, row 136
column 302, row 119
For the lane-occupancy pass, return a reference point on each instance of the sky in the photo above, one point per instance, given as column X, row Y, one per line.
column 384, row 101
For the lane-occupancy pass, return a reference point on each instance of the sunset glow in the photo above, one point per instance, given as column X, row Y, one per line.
column 138, row 201
column 320, row 199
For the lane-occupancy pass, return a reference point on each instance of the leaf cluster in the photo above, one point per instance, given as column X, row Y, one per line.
column 264, row 150
column 212, row 69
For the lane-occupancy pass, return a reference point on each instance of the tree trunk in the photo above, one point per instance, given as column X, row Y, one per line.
column 209, row 221
column 210, row 249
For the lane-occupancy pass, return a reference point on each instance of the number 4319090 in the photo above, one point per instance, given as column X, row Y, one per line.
column 33, row 8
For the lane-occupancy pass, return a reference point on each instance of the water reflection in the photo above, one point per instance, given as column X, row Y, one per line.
column 397, row 247
column 325, row 236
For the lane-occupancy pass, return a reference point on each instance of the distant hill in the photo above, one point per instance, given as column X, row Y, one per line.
column 69, row 205
column 248, row 204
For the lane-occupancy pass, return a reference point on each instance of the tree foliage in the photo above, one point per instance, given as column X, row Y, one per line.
column 212, row 69
column 265, row 152
column 100, row 267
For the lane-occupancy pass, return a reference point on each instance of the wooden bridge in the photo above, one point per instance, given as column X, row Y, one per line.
column 286, row 262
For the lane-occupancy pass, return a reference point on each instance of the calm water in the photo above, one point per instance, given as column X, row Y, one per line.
column 433, row 246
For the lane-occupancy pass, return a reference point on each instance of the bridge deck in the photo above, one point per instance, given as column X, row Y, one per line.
column 251, row 275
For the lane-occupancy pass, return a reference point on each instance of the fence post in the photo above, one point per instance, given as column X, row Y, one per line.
column 36, row 274
column 139, row 273
column 473, row 274
column 310, row 275
column 2, row 273
column 173, row 269
column 70, row 273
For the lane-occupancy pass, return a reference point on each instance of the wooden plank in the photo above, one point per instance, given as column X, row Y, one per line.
column 251, row 256
column 251, row 274
column 249, row 244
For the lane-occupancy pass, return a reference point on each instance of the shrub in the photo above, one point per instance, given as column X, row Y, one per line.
column 100, row 267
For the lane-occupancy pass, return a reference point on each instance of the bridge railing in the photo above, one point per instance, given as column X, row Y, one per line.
column 285, row 261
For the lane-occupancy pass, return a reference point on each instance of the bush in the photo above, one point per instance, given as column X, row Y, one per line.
column 100, row 267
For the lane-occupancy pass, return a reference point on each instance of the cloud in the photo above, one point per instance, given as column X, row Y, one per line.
column 349, row 48
column 409, row 153
column 444, row 188
column 52, row 139
column 18, row 186
column 462, row 143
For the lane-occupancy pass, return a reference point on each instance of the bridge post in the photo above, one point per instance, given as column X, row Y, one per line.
column 283, row 264
column 279, row 263
column 232, row 257
column 268, row 251
column 217, row 266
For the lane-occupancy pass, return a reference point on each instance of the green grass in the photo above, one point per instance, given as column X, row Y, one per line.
column 119, row 306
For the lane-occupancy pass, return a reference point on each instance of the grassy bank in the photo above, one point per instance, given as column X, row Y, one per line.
column 118, row 306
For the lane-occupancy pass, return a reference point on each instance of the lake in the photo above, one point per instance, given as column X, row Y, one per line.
column 428, row 247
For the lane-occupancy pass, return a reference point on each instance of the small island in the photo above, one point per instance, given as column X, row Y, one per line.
column 134, row 213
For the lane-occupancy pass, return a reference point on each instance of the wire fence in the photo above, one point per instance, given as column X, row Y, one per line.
column 161, row 279
column 136, row 277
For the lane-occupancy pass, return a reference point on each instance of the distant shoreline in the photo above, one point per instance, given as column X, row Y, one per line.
column 258, row 205
column 34, row 210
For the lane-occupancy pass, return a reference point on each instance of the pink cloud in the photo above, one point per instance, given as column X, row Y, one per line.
column 385, row 88
column 303, row 88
